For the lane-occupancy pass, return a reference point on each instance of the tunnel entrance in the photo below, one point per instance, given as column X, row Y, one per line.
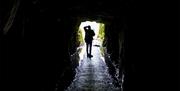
column 98, row 28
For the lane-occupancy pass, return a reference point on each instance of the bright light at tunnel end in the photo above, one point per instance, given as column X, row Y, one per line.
column 94, row 26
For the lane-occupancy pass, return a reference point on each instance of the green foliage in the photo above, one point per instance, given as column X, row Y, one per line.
column 101, row 35
column 102, row 50
column 80, row 37
column 101, row 32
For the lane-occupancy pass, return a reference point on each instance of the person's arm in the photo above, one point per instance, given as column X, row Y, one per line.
column 93, row 33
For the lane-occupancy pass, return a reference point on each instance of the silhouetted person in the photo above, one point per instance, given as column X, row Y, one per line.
column 89, row 33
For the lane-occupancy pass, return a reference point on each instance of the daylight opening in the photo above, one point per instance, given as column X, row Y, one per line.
column 98, row 29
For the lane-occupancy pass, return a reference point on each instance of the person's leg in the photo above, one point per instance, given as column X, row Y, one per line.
column 87, row 48
column 90, row 48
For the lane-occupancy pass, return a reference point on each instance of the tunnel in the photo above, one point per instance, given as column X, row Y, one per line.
column 41, row 44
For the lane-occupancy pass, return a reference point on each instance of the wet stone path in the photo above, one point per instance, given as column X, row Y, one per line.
column 92, row 74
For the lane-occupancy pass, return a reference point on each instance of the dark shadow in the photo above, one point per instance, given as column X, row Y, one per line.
column 96, row 45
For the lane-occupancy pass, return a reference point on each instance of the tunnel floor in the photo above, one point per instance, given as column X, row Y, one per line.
column 92, row 74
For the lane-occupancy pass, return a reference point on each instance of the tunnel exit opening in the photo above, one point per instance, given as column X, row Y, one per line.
column 99, row 30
